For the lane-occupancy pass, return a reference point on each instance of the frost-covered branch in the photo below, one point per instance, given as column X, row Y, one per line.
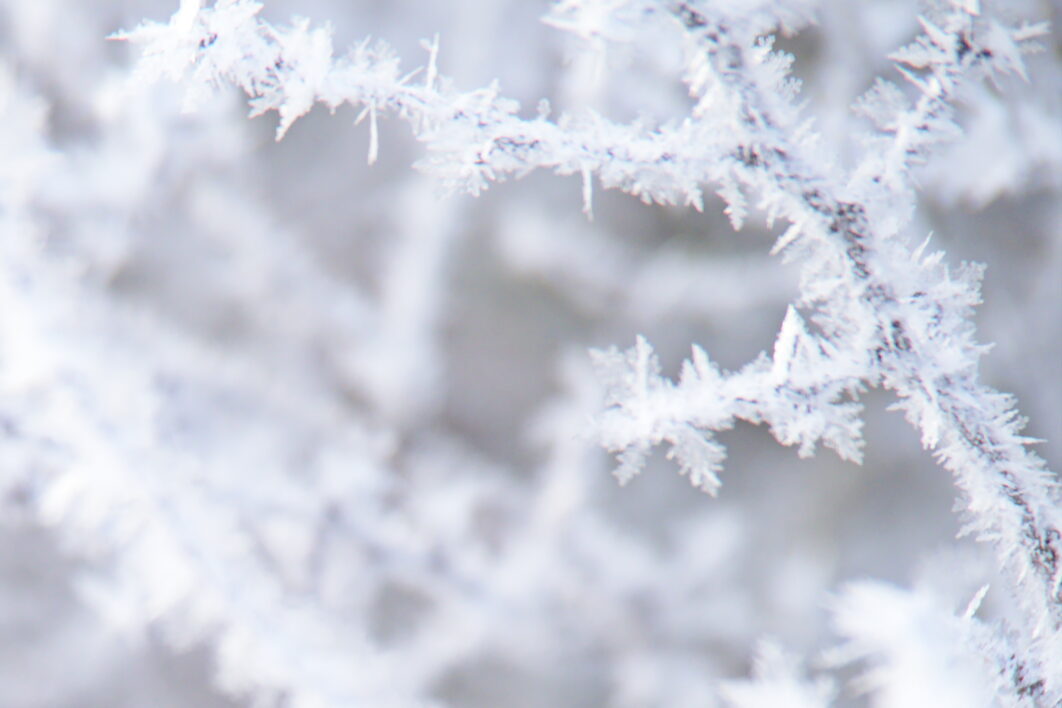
column 881, row 312
column 799, row 392
column 903, row 311
column 473, row 138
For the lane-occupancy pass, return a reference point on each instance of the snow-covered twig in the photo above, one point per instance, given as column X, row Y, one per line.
column 884, row 313
column 875, row 298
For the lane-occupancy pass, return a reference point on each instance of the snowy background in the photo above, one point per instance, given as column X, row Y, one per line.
column 344, row 393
